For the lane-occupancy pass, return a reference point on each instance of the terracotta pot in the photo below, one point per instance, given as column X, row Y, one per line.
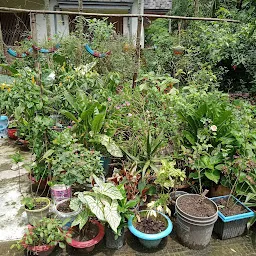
column 12, row 133
column 88, row 245
column 219, row 190
column 41, row 184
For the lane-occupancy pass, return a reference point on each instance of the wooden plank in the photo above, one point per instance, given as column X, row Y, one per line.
column 6, row 9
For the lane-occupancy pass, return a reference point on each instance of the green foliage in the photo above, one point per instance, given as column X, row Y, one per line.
column 89, row 119
column 102, row 202
column 70, row 161
column 28, row 202
column 168, row 176
column 46, row 232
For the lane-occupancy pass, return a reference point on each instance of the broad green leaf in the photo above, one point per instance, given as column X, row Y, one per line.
column 112, row 216
column 48, row 153
column 189, row 137
column 69, row 115
column 110, row 145
column 110, row 190
column 95, row 206
column 81, row 219
column 71, row 100
column 213, row 175
column 97, row 123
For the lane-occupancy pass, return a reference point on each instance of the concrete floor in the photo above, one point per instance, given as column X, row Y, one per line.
column 13, row 222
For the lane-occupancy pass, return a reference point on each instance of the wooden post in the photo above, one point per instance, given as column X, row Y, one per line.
column 33, row 26
column 80, row 2
column 196, row 7
column 47, row 16
column 137, row 56
column 1, row 41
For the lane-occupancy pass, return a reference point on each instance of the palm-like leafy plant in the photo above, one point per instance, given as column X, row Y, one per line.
column 89, row 119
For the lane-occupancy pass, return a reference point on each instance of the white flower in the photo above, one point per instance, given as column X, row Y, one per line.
column 213, row 128
column 129, row 114
column 51, row 76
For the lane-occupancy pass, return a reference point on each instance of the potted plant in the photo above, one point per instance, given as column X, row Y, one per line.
column 196, row 216
column 150, row 227
column 233, row 214
column 42, row 238
column 101, row 202
column 178, row 50
column 233, row 217
column 12, row 130
column 115, row 240
column 36, row 208
column 166, row 179
column 89, row 124
column 65, row 213
column 71, row 163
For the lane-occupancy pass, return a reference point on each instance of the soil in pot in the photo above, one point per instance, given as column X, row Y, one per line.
column 230, row 208
column 38, row 205
column 64, row 207
column 89, row 232
column 197, row 206
column 150, row 225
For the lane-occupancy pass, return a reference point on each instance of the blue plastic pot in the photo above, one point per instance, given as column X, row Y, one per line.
column 231, row 226
column 150, row 240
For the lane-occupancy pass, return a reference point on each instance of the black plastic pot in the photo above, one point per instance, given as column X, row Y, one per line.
column 174, row 196
column 231, row 226
column 111, row 242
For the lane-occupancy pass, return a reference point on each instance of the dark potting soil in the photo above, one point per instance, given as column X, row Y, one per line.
column 64, row 207
column 88, row 232
column 197, row 206
column 150, row 225
column 230, row 208
column 39, row 205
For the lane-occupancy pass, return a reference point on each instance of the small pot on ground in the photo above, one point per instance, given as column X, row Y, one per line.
column 178, row 50
column 89, row 244
column 161, row 223
column 65, row 214
column 12, row 133
column 196, row 216
column 42, row 205
column 233, row 217
column 111, row 241
column 60, row 192
column 219, row 190
column 40, row 185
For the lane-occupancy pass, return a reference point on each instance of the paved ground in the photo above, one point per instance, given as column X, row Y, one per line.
column 13, row 221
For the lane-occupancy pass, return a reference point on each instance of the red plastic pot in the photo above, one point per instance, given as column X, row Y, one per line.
column 41, row 250
column 88, row 245
column 12, row 133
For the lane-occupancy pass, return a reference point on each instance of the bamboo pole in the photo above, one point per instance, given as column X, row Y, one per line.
column 15, row 10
